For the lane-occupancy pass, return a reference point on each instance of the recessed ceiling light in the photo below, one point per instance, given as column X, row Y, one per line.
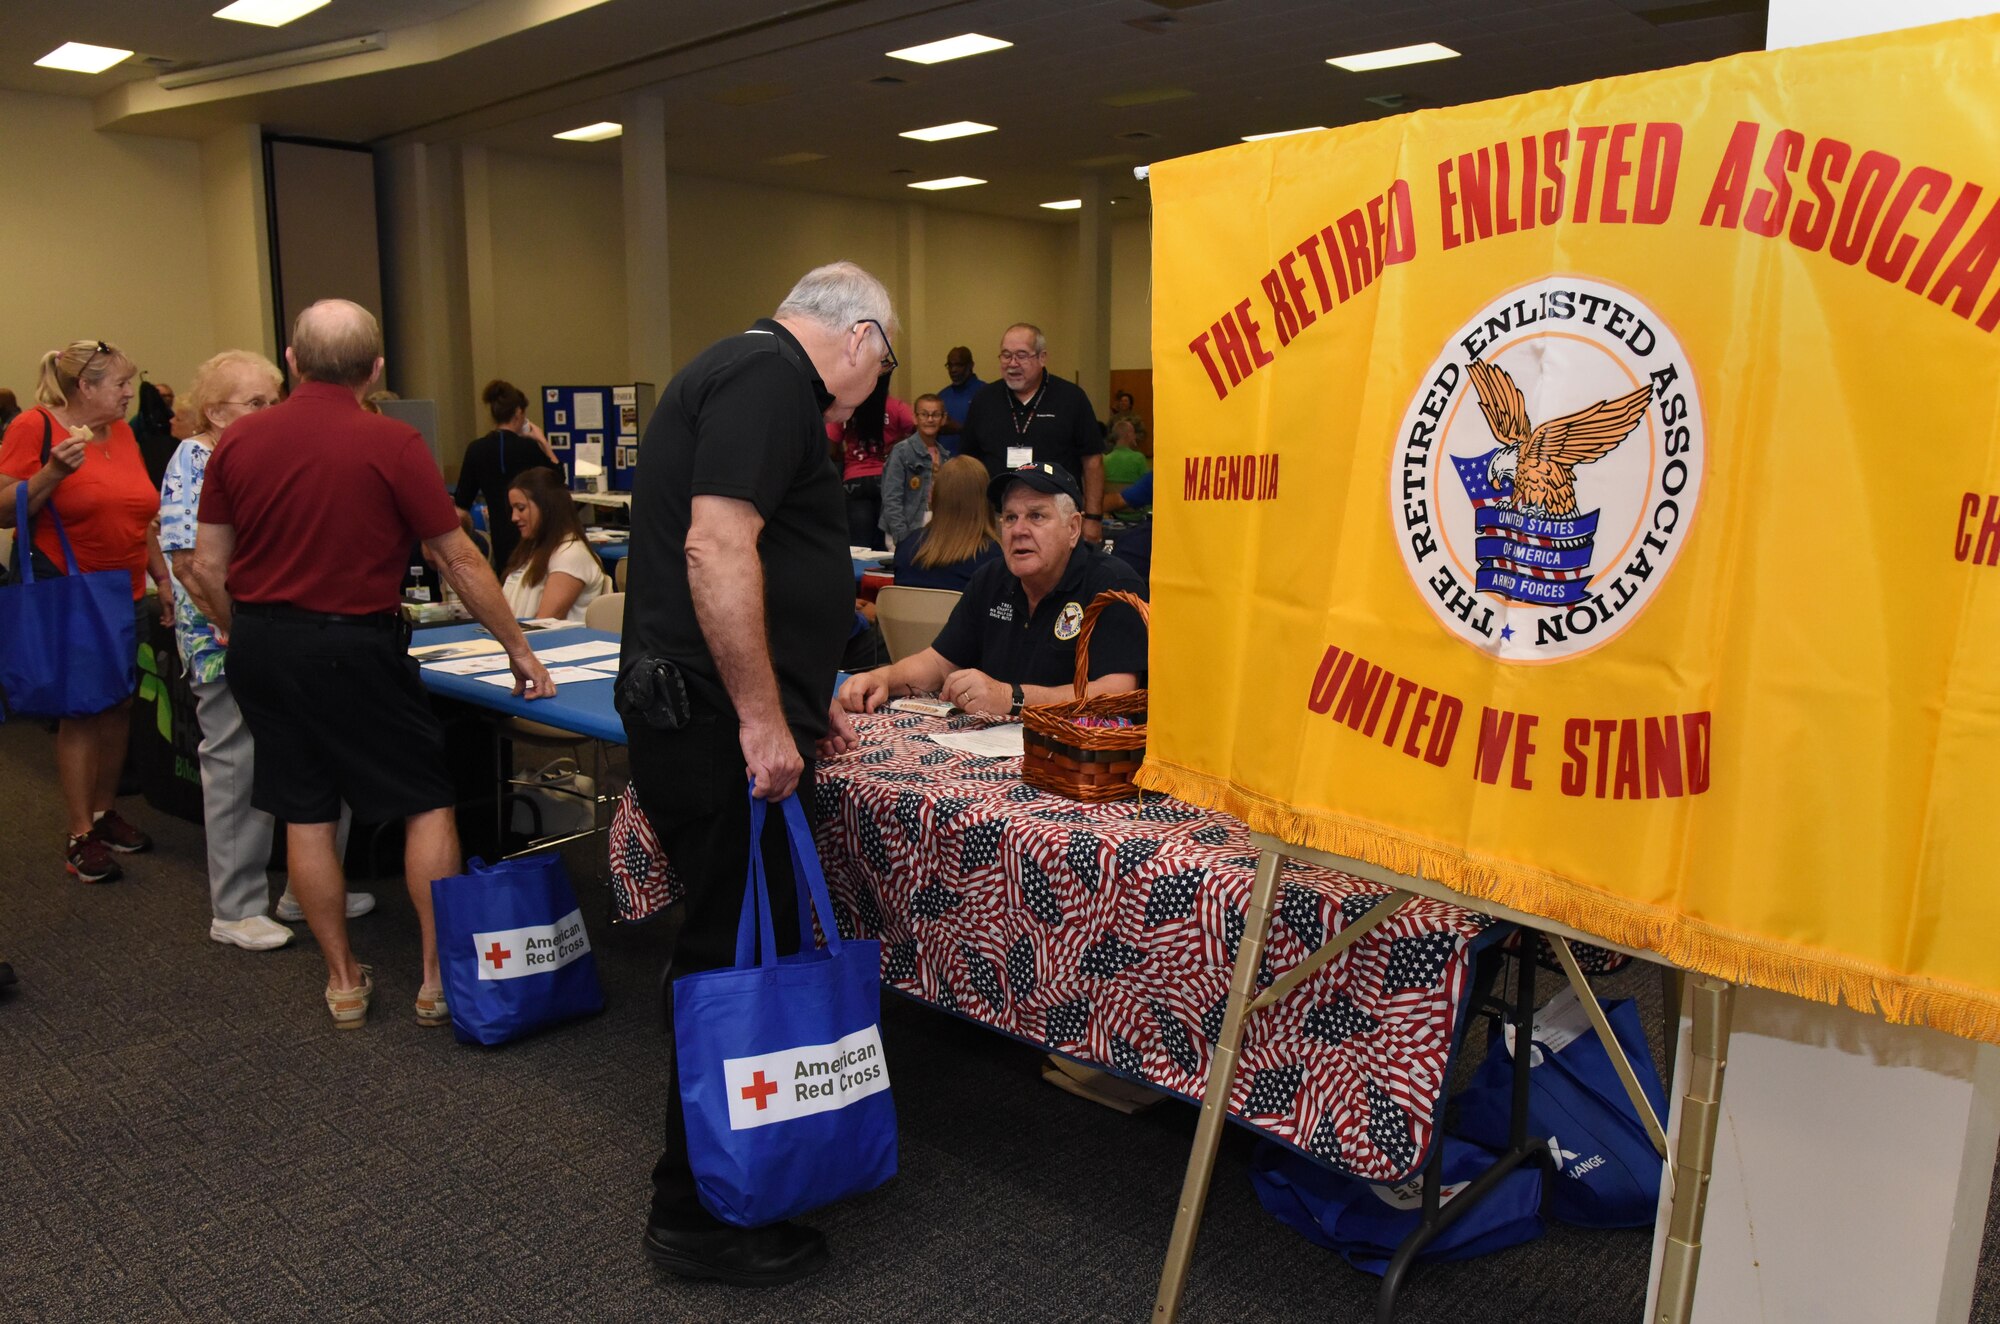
column 592, row 133
column 1067, row 204
column 268, row 13
column 1418, row 54
column 937, row 133
column 795, row 158
column 83, row 58
column 951, row 48
column 951, row 181
column 1282, row 133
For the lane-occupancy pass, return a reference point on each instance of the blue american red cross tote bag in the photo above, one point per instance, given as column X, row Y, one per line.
column 783, row 1085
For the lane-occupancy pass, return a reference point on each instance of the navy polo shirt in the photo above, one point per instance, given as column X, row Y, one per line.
column 991, row 629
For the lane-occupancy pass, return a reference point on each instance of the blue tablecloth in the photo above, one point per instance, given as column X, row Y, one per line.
column 584, row 707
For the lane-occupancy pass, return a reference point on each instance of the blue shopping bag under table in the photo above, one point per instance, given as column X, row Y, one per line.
column 1366, row 1222
column 1606, row 1171
column 783, row 1085
column 513, row 949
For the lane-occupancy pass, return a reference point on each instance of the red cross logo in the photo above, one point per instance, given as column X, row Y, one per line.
column 497, row 954
column 760, row 1090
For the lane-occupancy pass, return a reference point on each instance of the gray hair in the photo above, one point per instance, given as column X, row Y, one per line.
column 336, row 341
column 1065, row 508
column 837, row 296
column 1041, row 341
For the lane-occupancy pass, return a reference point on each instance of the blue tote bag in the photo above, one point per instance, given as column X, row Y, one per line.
column 783, row 1086
column 1606, row 1171
column 513, row 948
column 1366, row 1223
column 68, row 645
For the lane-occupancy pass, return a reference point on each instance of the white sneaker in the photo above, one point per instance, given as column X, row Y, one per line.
column 259, row 933
column 358, row 904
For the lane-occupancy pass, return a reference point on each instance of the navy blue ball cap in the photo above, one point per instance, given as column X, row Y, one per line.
column 1050, row 478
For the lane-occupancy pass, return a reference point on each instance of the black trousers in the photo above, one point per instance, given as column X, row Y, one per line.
column 694, row 786
column 864, row 512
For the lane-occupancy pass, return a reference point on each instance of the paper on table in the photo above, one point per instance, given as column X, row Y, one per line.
column 609, row 666
column 578, row 652
column 560, row 675
column 463, row 648
column 989, row 742
column 469, row 666
column 550, row 623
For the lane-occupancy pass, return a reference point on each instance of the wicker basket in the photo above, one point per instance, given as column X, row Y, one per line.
column 1089, row 763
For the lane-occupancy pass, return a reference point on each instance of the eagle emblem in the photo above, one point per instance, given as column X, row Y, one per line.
column 1540, row 463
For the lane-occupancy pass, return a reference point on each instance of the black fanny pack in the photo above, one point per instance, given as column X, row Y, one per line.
column 650, row 690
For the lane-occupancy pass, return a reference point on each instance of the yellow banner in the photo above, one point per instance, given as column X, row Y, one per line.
column 1591, row 500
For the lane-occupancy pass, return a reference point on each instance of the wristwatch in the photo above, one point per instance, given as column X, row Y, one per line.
column 1020, row 700
column 1088, row 514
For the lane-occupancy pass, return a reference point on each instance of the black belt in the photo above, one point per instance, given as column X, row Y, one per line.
column 281, row 611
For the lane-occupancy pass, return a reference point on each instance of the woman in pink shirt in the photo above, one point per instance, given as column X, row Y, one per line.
column 861, row 448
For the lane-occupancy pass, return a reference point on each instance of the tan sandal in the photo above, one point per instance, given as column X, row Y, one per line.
column 431, row 1008
column 349, row 1006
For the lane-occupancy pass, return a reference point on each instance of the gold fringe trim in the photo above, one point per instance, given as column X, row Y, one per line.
column 1805, row 972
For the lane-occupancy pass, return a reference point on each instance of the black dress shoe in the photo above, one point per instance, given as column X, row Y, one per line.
column 740, row 1256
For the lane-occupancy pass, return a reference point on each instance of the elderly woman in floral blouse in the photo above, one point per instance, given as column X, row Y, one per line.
column 233, row 383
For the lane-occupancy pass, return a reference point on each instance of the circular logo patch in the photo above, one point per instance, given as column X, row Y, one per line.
column 1069, row 622
column 1547, row 470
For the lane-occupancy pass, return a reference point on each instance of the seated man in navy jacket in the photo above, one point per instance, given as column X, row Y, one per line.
column 1011, row 640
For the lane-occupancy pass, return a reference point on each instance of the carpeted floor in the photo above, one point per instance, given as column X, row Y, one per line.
column 184, row 1136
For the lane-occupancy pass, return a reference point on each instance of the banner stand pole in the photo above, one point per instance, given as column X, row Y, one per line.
column 1700, row 1117
column 1221, row 1078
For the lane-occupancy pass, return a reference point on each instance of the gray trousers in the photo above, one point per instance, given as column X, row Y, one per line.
column 239, row 837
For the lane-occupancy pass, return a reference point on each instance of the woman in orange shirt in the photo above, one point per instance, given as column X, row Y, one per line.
column 91, row 474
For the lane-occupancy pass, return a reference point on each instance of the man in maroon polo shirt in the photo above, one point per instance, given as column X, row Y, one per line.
column 302, row 540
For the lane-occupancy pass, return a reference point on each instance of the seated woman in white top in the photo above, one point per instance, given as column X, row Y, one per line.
column 553, row 572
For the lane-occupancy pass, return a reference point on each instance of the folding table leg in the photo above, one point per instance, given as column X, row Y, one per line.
column 1694, row 1155
column 1221, row 1079
column 1521, row 1148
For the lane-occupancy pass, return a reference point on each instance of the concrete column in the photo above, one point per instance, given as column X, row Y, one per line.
column 1855, row 1157
column 239, row 239
column 648, row 318
column 424, row 287
column 1093, row 291
column 482, row 300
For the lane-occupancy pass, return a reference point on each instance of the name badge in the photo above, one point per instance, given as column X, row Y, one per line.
column 1020, row 455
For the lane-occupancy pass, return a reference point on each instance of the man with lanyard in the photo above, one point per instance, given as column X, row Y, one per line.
column 1011, row 640
column 1031, row 416
column 741, row 602
column 957, row 397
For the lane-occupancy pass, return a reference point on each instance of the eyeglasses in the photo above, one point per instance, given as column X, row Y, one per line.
column 96, row 354
column 889, row 360
column 1019, row 355
column 253, row 403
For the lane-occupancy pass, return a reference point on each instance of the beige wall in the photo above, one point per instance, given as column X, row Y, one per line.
column 1131, row 295
column 986, row 273
column 736, row 249
column 102, row 235
column 172, row 263
column 558, row 261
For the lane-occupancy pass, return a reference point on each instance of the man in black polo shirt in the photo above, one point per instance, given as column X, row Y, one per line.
column 742, row 597
column 1011, row 640
column 1032, row 417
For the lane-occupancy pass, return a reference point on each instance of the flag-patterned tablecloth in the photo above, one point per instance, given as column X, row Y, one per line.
column 1109, row 932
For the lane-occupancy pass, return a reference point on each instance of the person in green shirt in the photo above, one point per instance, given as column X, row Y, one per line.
column 1124, row 462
